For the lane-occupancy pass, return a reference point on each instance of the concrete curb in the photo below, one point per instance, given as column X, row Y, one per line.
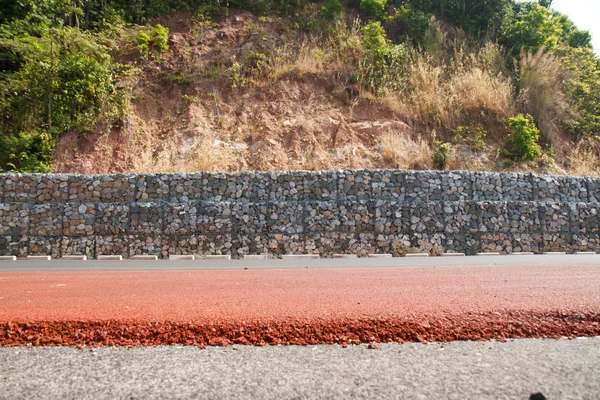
column 417, row 255
column 380, row 256
column 256, row 257
column 8, row 258
column 110, row 258
column 145, row 258
column 181, row 257
column 218, row 257
column 345, row 256
column 39, row 258
column 74, row 258
column 454, row 255
column 300, row 256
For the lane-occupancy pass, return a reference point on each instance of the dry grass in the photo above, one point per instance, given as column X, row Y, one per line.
column 207, row 154
column 400, row 151
column 540, row 93
column 585, row 159
column 446, row 100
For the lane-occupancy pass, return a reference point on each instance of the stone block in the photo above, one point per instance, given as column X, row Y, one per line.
column 14, row 219
column 185, row 244
column 44, row 246
column 51, row 188
column 321, row 216
column 389, row 217
column 84, row 188
column 423, row 186
column 555, row 217
column 111, row 219
column 46, row 219
column 250, row 218
column 286, row 243
column 425, row 217
column 155, row 189
column 556, row 242
column 237, row 186
column 286, row 217
column 303, row 186
column 371, row 184
column 589, row 242
column 117, row 188
column 146, row 218
column 523, row 217
column 79, row 219
column 14, row 245
column 517, row 187
column 144, row 245
column 585, row 218
column 467, row 243
column 85, row 245
column 180, row 218
column 357, row 216
column 461, row 217
column 456, row 185
column 111, row 245
column 214, row 218
column 487, row 186
column 20, row 188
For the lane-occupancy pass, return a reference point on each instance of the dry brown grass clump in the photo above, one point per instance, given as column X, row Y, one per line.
column 540, row 93
column 400, row 151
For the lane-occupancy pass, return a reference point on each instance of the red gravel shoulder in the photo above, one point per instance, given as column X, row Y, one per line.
column 298, row 306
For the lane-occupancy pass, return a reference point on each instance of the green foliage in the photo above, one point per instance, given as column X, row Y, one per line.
column 374, row 38
column 59, row 82
column 179, row 77
column 583, row 89
column 473, row 136
column 384, row 66
column 253, row 65
column 534, row 26
column 152, row 41
column 441, row 154
column 411, row 22
column 522, row 143
column 331, row 9
column 373, row 8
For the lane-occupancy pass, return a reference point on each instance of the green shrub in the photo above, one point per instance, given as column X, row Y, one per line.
column 441, row 154
column 474, row 136
column 152, row 41
column 331, row 9
column 373, row 8
column 374, row 38
column 383, row 66
column 522, row 143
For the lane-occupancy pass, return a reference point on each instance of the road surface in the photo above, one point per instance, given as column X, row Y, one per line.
column 563, row 369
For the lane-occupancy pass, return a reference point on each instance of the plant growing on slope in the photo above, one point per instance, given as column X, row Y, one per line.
column 441, row 154
column 331, row 9
column 373, row 8
column 522, row 143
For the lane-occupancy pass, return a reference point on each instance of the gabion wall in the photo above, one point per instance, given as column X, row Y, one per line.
column 297, row 212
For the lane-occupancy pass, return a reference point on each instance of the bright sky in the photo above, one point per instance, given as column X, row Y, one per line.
column 585, row 14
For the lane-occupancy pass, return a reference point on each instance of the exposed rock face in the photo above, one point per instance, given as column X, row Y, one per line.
column 297, row 212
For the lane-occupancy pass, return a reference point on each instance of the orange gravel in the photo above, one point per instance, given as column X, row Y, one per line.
column 298, row 306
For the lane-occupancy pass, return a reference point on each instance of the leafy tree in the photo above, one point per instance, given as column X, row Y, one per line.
column 373, row 8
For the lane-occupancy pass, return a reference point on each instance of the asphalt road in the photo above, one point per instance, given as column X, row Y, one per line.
column 323, row 263
column 560, row 369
